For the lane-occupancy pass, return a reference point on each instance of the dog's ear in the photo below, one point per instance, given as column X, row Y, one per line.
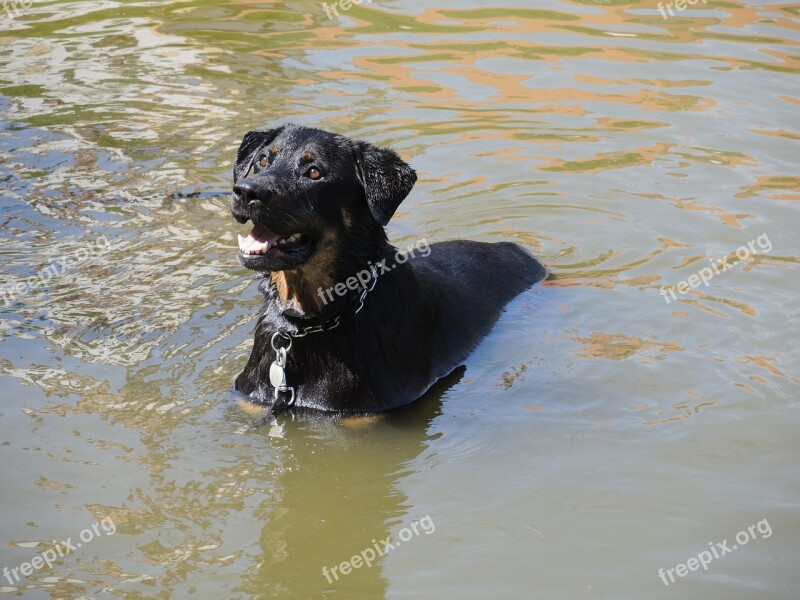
column 251, row 142
column 387, row 180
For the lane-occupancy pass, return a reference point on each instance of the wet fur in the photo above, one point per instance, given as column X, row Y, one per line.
column 422, row 319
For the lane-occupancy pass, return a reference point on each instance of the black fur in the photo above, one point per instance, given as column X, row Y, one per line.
column 387, row 180
column 422, row 318
column 251, row 142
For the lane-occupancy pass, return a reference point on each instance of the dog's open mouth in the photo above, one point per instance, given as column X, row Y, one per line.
column 261, row 240
column 263, row 249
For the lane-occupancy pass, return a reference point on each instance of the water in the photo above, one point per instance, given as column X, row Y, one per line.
column 598, row 435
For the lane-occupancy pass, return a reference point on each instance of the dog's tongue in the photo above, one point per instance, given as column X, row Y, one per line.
column 255, row 240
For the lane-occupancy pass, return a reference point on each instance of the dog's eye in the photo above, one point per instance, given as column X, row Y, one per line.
column 314, row 173
column 263, row 161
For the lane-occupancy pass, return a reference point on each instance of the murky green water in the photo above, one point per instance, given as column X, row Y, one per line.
column 600, row 434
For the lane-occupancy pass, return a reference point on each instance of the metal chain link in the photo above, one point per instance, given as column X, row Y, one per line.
column 279, row 404
column 330, row 324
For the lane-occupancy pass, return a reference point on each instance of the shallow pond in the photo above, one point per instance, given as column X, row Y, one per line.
column 609, row 428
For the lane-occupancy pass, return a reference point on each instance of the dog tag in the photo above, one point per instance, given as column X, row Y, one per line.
column 277, row 376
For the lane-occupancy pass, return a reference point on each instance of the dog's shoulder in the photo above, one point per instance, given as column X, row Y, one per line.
column 464, row 287
column 473, row 270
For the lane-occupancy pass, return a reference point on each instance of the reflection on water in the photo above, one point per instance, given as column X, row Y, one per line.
column 597, row 435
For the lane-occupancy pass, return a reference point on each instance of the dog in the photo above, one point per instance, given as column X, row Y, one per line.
column 318, row 203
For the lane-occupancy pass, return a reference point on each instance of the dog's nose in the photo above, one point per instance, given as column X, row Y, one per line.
column 252, row 193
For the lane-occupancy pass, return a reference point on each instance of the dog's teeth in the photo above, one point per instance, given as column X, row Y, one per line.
column 264, row 247
column 290, row 240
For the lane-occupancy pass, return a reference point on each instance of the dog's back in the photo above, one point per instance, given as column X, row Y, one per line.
column 479, row 273
column 470, row 283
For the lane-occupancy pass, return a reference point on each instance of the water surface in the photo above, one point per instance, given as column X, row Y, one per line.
column 598, row 435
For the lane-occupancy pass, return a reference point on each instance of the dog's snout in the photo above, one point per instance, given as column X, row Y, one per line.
column 252, row 193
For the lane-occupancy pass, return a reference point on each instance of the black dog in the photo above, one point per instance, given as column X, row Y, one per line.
column 318, row 202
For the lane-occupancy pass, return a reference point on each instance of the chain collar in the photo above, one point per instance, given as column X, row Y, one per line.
column 281, row 352
column 330, row 323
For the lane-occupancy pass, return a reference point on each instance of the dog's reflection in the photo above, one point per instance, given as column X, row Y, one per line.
column 341, row 498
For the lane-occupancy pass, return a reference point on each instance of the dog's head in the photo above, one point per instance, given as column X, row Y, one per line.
column 313, row 197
